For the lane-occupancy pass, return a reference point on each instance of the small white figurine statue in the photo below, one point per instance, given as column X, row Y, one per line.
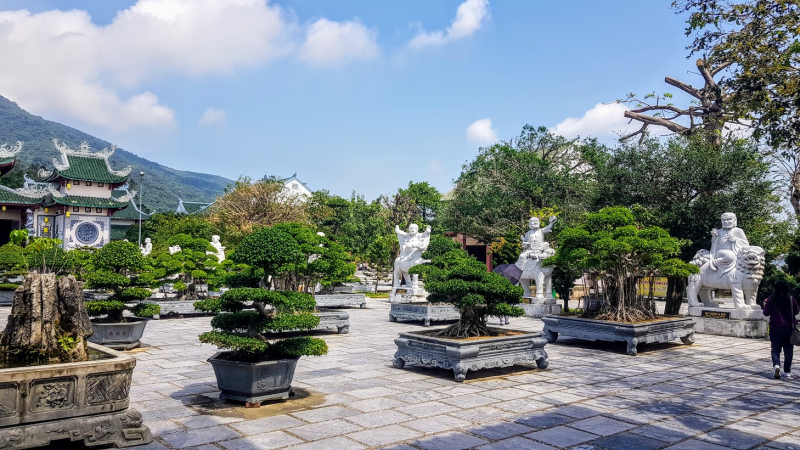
column 534, row 250
column 147, row 248
column 412, row 245
column 220, row 253
column 731, row 264
column 315, row 256
column 174, row 249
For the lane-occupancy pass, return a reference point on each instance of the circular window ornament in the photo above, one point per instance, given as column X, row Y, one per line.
column 87, row 233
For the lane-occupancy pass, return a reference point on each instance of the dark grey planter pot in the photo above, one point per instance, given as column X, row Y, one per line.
column 80, row 401
column 119, row 336
column 6, row 298
column 634, row 334
column 253, row 382
column 462, row 356
column 423, row 312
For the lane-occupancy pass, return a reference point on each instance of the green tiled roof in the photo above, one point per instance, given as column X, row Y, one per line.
column 11, row 197
column 118, row 232
column 87, row 168
column 9, row 160
column 130, row 212
column 94, row 202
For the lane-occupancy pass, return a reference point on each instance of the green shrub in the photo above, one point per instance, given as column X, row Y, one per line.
column 8, row 287
column 179, row 286
column 146, row 310
column 377, row 294
column 248, row 313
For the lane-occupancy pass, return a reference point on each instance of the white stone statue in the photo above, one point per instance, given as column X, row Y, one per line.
column 174, row 249
column 220, row 250
column 731, row 264
column 147, row 248
column 412, row 245
column 534, row 250
column 315, row 256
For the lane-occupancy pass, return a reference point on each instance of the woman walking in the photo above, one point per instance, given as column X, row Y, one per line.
column 782, row 309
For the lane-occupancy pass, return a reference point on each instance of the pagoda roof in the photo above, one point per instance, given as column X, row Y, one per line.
column 59, row 198
column 130, row 212
column 8, row 156
column 21, row 196
column 191, row 207
column 84, row 165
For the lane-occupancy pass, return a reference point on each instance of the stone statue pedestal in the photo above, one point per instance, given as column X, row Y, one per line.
column 539, row 306
column 723, row 321
column 404, row 294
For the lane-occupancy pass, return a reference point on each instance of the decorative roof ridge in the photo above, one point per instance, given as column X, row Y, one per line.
column 30, row 192
column 58, row 194
column 10, row 152
column 137, row 208
column 85, row 152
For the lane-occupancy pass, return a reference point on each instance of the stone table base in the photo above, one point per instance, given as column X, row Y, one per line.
column 601, row 330
column 118, row 429
column 341, row 301
column 424, row 312
column 540, row 307
column 720, row 321
column 418, row 347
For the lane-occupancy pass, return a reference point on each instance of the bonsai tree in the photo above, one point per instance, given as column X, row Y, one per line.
column 454, row 277
column 248, row 313
column 115, row 265
column 294, row 256
column 613, row 247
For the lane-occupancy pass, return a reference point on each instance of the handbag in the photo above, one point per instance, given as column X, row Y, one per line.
column 795, row 337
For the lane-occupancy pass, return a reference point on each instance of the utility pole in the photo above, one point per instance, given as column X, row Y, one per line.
column 141, row 188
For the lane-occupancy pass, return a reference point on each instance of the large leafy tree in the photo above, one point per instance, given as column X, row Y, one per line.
column 160, row 227
column 496, row 192
column 612, row 246
column 426, row 198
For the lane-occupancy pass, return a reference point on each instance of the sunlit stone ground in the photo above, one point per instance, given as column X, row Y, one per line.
column 717, row 393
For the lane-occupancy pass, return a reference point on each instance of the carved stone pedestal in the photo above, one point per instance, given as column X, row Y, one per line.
column 461, row 355
column 329, row 318
column 175, row 308
column 722, row 321
column 424, row 312
column 633, row 333
column 408, row 295
column 341, row 301
column 539, row 307
column 118, row 429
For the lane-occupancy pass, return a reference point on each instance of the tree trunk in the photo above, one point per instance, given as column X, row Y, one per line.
column 676, row 286
column 48, row 321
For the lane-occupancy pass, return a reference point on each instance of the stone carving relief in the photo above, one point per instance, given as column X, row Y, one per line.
column 53, row 395
column 107, row 387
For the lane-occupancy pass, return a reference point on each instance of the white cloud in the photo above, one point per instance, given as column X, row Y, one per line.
column 213, row 116
column 63, row 64
column 470, row 15
column 603, row 120
column 481, row 132
column 330, row 43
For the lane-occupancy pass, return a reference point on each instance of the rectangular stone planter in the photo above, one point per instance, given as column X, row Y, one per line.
column 419, row 347
column 119, row 336
column 341, row 301
column 253, row 382
column 175, row 308
column 601, row 330
column 81, row 401
column 424, row 312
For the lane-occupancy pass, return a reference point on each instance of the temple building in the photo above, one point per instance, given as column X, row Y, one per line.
column 72, row 203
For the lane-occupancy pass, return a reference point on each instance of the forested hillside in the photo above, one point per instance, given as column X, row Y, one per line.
column 163, row 185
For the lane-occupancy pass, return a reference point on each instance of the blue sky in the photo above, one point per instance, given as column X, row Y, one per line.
column 350, row 95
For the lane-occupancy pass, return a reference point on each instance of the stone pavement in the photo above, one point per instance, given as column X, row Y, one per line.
column 715, row 394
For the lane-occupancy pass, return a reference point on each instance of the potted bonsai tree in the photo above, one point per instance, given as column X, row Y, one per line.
column 456, row 278
column 617, row 250
column 115, row 267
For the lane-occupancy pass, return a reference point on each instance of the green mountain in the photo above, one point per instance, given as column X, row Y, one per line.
column 162, row 185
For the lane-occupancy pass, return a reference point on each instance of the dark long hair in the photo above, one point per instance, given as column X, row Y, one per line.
column 781, row 300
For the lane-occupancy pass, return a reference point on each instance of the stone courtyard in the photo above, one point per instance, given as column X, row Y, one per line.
column 715, row 394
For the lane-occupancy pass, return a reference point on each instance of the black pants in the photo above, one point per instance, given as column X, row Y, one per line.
column 779, row 337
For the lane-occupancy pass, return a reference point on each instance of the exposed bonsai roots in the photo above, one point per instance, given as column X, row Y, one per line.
column 471, row 324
